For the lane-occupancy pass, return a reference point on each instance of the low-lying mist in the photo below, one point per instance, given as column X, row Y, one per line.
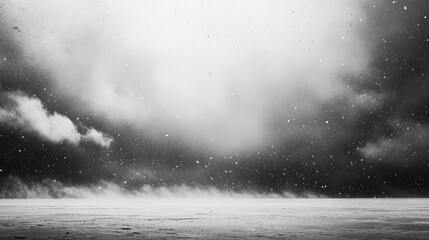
column 14, row 187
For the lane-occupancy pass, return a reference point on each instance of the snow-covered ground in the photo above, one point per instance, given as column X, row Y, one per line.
column 214, row 218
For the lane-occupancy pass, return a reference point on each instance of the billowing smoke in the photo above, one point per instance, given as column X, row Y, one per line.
column 218, row 74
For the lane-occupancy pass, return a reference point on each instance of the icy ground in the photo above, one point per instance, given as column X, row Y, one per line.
column 214, row 219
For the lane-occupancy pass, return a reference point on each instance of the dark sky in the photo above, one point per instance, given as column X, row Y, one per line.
column 267, row 97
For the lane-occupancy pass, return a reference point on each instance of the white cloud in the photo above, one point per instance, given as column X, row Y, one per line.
column 29, row 114
column 409, row 142
column 228, row 69
column 380, row 147
column 9, row 117
column 97, row 137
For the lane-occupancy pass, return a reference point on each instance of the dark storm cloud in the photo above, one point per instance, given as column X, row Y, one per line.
column 341, row 109
column 399, row 73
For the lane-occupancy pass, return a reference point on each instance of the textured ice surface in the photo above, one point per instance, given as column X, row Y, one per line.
column 214, row 219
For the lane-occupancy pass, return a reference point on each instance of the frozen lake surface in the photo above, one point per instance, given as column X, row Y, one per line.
column 214, row 219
